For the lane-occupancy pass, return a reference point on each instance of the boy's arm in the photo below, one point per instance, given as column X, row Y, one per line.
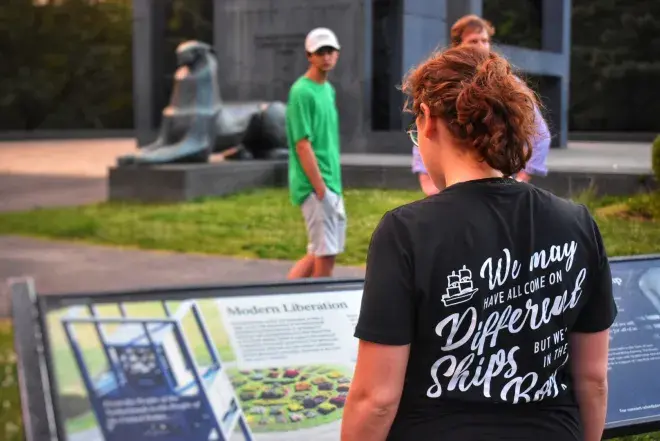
column 309, row 164
column 299, row 116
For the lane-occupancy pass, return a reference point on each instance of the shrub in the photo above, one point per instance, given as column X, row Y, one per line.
column 655, row 158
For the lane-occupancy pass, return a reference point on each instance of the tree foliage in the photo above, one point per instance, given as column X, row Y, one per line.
column 65, row 64
column 68, row 63
column 615, row 69
column 655, row 158
column 517, row 22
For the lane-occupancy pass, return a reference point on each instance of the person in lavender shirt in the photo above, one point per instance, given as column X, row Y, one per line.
column 473, row 30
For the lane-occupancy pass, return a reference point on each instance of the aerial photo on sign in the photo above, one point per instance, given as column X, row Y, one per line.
column 272, row 367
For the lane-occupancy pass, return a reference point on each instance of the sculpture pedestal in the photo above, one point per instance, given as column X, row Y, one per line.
column 185, row 182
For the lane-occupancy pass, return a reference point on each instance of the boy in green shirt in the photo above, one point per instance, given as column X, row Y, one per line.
column 312, row 126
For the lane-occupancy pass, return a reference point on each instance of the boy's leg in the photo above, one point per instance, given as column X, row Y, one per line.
column 329, row 237
column 305, row 267
column 302, row 268
column 323, row 266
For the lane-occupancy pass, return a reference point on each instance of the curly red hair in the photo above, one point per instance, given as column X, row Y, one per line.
column 484, row 105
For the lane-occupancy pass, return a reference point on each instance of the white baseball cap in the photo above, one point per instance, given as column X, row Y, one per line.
column 320, row 37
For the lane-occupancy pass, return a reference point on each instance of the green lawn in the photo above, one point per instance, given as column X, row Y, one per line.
column 262, row 224
column 11, row 427
column 258, row 224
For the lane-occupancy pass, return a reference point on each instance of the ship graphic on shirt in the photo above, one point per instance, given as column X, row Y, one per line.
column 459, row 288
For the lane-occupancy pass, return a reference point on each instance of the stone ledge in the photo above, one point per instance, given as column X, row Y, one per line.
column 569, row 184
column 184, row 182
column 561, row 183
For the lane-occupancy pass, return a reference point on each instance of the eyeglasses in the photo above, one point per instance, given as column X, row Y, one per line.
column 412, row 133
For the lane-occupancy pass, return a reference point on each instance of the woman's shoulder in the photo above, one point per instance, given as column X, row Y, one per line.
column 560, row 205
column 447, row 210
column 418, row 217
column 411, row 212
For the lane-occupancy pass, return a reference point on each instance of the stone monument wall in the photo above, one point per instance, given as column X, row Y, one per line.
column 260, row 50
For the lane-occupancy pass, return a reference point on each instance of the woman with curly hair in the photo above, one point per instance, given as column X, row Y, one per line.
column 486, row 307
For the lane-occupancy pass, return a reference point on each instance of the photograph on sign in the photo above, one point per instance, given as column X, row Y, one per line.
column 264, row 367
column 634, row 359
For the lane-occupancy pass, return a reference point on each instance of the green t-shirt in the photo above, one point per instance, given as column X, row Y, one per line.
column 311, row 113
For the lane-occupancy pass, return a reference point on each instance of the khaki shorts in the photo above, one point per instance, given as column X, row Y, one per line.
column 326, row 224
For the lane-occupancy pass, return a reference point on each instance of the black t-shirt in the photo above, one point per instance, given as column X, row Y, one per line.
column 485, row 281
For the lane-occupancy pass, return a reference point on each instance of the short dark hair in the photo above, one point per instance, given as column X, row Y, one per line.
column 469, row 23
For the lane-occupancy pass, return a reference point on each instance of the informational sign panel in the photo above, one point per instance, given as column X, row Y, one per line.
column 270, row 362
column 265, row 365
column 290, row 329
column 634, row 369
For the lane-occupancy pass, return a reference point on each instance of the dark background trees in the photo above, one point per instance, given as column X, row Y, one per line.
column 67, row 64
column 615, row 65
column 615, row 62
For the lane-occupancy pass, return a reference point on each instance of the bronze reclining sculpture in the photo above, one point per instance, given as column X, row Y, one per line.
column 197, row 123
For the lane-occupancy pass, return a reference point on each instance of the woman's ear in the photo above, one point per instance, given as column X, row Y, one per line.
column 427, row 127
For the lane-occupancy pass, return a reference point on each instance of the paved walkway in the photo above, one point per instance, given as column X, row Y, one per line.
column 56, row 173
column 88, row 158
column 62, row 267
column 71, row 267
